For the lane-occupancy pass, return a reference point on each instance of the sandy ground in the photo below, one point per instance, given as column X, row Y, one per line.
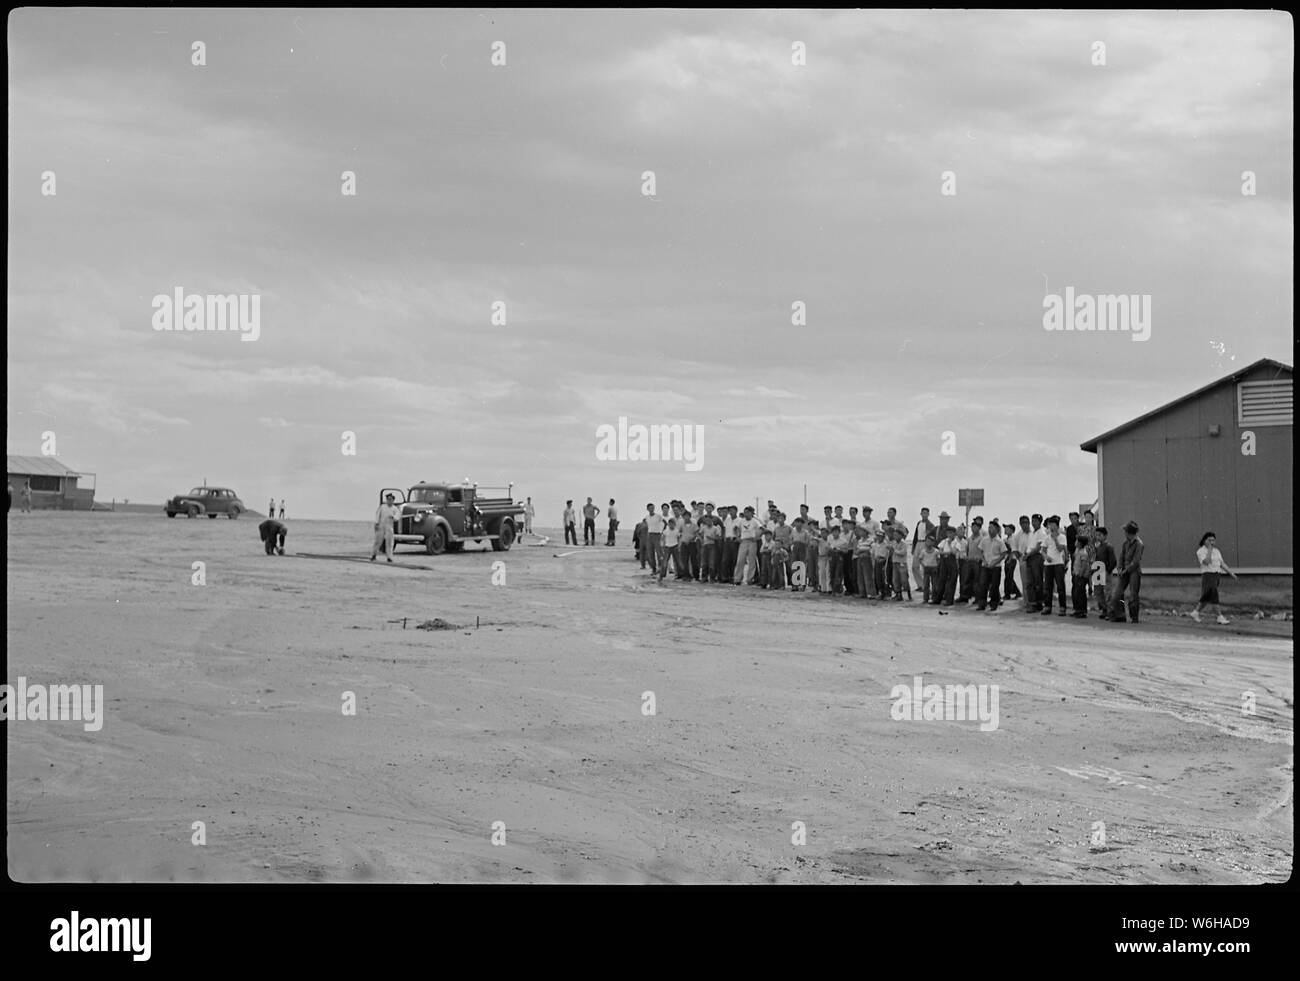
column 224, row 705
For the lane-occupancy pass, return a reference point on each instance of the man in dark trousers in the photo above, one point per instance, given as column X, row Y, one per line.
column 1104, row 552
column 589, row 512
column 1129, row 571
column 1035, row 587
column 924, row 529
column 949, row 567
column 973, row 561
column 1072, row 531
column 273, row 535
column 612, row 514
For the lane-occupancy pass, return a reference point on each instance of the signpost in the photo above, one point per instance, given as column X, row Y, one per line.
column 970, row 497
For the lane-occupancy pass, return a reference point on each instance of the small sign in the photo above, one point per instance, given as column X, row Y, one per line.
column 970, row 497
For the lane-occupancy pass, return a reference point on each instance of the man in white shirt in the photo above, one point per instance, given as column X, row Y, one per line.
column 387, row 513
column 654, row 530
column 1054, row 551
column 868, row 523
column 1035, row 539
column 570, row 523
column 528, row 517
column 950, row 552
column 750, row 529
column 612, row 514
column 972, row 561
column 669, row 547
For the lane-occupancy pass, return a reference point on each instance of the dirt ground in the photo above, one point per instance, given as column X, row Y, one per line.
column 225, row 706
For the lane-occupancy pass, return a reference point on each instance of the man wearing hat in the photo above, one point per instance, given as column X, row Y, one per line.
column 950, row 550
column 384, row 517
column 1129, row 571
column 941, row 532
column 867, row 523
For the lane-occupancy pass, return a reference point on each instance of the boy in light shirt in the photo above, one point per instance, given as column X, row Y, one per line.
column 668, row 543
column 823, row 560
column 765, row 560
column 783, row 535
column 780, row 563
column 799, row 553
column 899, row 558
column 710, row 546
column 1080, row 573
column 835, row 571
column 880, row 552
column 929, row 565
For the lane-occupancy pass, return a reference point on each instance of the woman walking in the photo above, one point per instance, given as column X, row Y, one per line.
column 1212, row 567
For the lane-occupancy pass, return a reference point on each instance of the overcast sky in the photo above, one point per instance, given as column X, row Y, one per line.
column 522, row 183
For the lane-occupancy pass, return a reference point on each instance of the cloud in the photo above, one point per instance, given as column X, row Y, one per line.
column 776, row 183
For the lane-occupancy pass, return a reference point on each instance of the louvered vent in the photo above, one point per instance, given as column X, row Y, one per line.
column 1265, row 403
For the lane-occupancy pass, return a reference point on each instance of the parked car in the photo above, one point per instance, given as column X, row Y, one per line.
column 444, row 516
column 211, row 501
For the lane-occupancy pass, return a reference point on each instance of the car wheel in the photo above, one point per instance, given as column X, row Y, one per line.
column 234, row 514
column 171, row 514
column 192, row 511
column 436, row 541
column 505, row 539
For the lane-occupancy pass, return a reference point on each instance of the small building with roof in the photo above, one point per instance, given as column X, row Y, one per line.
column 54, row 485
column 1218, row 459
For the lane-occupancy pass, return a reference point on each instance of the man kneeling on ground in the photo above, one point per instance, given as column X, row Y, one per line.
column 273, row 535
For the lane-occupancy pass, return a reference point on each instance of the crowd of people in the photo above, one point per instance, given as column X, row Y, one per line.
column 858, row 555
column 944, row 565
